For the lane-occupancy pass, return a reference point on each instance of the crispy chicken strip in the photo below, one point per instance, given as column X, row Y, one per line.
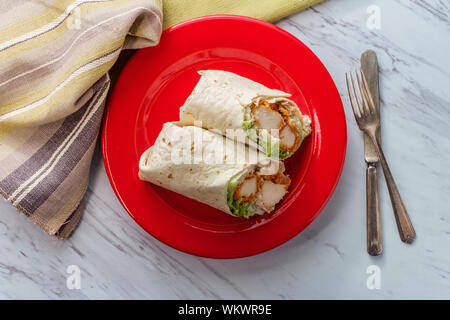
column 271, row 194
column 248, row 189
column 267, row 118
column 263, row 190
column 288, row 138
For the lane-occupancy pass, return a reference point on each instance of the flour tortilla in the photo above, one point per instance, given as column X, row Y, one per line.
column 220, row 99
column 198, row 163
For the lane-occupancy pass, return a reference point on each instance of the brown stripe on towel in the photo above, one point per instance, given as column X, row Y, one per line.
column 10, row 183
column 37, row 195
column 59, row 206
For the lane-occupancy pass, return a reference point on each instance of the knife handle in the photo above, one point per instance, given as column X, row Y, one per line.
column 374, row 242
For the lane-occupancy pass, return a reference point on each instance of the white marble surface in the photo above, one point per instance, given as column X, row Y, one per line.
column 326, row 261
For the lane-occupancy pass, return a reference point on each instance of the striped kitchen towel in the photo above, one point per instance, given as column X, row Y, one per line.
column 54, row 59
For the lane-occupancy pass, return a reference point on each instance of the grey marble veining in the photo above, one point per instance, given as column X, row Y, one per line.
column 327, row 260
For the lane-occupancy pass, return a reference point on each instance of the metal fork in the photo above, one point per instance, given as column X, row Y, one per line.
column 368, row 119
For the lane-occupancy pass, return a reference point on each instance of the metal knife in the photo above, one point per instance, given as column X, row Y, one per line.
column 369, row 66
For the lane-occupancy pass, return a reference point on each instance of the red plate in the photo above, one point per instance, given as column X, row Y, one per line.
column 157, row 81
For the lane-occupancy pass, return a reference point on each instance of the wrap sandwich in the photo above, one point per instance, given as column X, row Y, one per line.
column 207, row 167
column 271, row 122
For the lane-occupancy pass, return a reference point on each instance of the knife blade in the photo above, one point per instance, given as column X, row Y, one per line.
column 369, row 67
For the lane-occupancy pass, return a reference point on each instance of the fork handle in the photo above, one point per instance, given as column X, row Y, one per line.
column 373, row 220
column 404, row 225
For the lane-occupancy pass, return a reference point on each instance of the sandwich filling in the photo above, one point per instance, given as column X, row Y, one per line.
column 256, row 192
column 276, row 125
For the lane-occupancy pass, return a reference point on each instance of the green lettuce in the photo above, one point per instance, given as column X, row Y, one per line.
column 248, row 124
column 284, row 154
column 301, row 131
column 267, row 143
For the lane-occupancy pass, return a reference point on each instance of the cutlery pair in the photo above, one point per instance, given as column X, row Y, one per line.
column 364, row 99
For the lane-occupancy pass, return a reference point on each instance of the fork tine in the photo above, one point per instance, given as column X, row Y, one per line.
column 355, row 112
column 358, row 98
column 370, row 99
column 364, row 97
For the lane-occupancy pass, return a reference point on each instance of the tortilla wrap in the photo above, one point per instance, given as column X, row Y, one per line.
column 208, row 167
column 223, row 100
